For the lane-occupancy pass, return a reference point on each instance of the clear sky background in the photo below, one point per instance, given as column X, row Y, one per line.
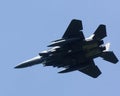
column 28, row 26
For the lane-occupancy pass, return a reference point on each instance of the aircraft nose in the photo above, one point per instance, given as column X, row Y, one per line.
column 30, row 62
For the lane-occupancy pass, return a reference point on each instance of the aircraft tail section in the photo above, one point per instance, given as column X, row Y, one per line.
column 109, row 56
column 100, row 32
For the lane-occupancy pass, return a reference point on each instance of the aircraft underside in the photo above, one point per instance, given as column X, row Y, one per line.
column 75, row 52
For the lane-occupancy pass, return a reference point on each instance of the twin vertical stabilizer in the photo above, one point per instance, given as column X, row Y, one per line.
column 107, row 55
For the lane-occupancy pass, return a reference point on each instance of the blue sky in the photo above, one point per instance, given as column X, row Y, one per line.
column 28, row 26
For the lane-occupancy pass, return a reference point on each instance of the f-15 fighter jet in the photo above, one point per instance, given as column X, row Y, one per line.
column 75, row 52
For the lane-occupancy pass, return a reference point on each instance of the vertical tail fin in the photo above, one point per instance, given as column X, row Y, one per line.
column 100, row 32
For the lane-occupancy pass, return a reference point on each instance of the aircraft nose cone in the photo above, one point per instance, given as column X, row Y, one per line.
column 30, row 62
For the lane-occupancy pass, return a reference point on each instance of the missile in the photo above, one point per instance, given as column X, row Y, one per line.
column 57, row 40
column 69, row 69
column 30, row 62
column 62, row 42
column 52, row 52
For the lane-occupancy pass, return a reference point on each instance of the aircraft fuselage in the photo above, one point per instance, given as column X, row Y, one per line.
column 71, row 52
column 75, row 52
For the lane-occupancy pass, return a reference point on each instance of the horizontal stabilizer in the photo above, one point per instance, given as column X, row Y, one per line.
column 109, row 56
column 100, row 33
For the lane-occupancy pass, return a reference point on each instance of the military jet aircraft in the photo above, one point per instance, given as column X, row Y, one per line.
column 75, row 52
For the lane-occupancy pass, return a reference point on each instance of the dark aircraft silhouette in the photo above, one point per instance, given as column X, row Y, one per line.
column 75, row 52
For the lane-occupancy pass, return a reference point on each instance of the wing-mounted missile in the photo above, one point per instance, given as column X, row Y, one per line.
column 57, row 40
column 44, row 53
column 50, row 51
column 69, row 70
column 63, row 42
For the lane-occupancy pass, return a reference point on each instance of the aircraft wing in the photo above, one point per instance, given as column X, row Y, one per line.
column 88, row 68
column 91, row 70
column 74, row 30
